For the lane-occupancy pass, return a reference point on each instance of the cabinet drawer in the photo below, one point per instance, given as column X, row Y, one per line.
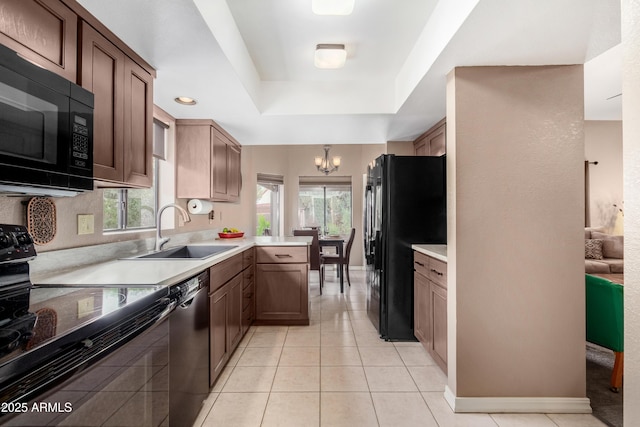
column 248, row 315
column 282, row 254
column 248, row 258
column 438, row 272
column 248, row 296
column 248, row 277
column 221, row 273
column 421, row 263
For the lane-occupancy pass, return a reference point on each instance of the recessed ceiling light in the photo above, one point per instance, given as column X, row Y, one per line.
column 330, row 56
column 332, row 7
column 185, row 100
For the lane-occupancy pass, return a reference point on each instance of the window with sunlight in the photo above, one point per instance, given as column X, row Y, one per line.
column 131, row 208
column 325, row 202
column 135, row 208
column 268, row 204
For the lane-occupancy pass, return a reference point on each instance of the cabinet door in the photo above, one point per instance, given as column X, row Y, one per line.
column 420, row 147
column 235, row 312
column 219, row 172
column 421, row 309
column 282, row 292
column 234, row 177
column 138, row 125
column 193, row 161
column 437, row 141
column 219, row 332
column 438, row 305
column 43, row 31
column 102, row 72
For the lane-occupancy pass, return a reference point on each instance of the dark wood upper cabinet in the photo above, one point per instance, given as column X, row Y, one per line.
column 102, row 72
column 208, row 162
column 138, row 125
column 433, row 142
column 43, row 32
column 62, row 36
column 123, row 114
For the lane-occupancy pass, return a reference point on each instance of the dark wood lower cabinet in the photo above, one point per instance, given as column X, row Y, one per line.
column 282, row 285
column 227, row 309
column 282, row 294
column 243, row 293
column 421, row 307
column 430, row 306
column 219, row 350
column 235, row 312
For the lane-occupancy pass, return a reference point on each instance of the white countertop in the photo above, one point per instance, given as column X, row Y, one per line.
column 434, row 251
column 159, row 272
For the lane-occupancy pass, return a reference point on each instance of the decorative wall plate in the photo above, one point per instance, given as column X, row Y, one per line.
column 41, row 219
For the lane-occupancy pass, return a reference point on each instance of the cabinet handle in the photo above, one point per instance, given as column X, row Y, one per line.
column 419, row 263
column 283, row 256
column 437, row 272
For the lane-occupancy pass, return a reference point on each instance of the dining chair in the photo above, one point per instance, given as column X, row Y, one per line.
column 314, row 250
column 341, row 261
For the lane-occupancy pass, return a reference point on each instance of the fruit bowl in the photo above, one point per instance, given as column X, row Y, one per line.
column 231, row 235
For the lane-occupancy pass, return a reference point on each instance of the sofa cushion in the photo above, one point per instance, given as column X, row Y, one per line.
column 612, row 246
column 593, row 248
column 615, row 265
column 589, row 230
column 593, row 266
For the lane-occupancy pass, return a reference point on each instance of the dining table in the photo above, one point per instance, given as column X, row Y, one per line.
column 337, row 242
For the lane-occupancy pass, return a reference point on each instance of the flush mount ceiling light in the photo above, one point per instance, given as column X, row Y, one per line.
column 330, row 56
column 332, row 7
column 326, row 165
column 185, row 100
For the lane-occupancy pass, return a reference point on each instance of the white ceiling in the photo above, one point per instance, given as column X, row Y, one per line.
column 249, row 63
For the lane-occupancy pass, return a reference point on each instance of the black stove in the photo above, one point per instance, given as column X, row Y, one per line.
column 16, row 322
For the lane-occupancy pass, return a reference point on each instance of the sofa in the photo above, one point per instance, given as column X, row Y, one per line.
column 605, row 320
column 603, row 252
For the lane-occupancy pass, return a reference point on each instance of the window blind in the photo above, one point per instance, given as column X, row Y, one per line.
column 266, row 178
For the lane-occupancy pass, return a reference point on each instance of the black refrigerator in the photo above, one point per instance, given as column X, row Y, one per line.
column 405, row 204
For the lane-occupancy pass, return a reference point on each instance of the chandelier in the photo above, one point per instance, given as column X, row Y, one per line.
column 325, row 165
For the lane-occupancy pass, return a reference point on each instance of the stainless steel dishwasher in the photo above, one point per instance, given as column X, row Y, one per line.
column 189, row 351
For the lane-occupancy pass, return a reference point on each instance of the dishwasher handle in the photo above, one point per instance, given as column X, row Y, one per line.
column 186, row 303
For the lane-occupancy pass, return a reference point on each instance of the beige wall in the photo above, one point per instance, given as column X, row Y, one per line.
column 515, row 245
column 631, row 137
column 297, row 160
column 603, row 143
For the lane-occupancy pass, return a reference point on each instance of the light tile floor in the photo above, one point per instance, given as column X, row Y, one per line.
column 337, row 372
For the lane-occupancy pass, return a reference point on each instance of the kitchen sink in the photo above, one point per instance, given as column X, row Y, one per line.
column 187, row 252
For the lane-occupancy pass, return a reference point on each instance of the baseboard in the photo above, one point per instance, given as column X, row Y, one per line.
column 538, row 405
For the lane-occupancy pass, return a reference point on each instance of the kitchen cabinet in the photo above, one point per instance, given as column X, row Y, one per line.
column 208, row 162
column 432, row 142
column 282, row 288
column 123, row 114
column 225, row 313
column 248, row 289
column 43, row 32
column 430, row 306
column 62, row 36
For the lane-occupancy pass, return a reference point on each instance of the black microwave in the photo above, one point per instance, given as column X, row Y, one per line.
column 46, row 130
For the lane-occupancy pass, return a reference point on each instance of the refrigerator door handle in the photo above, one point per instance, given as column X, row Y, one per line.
column 376, row 248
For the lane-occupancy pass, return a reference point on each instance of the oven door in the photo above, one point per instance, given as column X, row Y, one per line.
column 130, row 387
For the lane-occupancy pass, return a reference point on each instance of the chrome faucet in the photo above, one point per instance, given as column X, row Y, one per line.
column 160, row 241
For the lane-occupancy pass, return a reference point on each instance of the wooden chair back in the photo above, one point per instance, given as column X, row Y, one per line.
column 314, row 250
